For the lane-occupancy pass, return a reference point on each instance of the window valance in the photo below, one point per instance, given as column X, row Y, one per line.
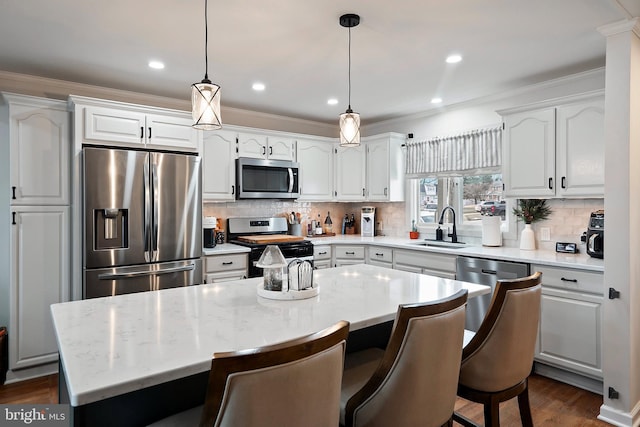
column 473, row 151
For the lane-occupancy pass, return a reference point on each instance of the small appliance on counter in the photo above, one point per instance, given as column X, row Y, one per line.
column 595, row 234
column 491, row 232
column 209, row 231
column 368, row 221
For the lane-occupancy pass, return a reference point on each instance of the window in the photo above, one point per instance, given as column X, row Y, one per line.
column 471, row 197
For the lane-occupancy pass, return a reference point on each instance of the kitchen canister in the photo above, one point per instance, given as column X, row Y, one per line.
column 491, row 233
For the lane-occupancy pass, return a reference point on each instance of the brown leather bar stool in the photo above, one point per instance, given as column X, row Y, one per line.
column 497, row 361
column 413, row 381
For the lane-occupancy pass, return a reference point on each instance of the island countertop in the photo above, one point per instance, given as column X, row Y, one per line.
column 114, row 345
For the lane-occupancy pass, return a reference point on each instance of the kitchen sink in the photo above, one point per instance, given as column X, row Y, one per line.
column 440, row 244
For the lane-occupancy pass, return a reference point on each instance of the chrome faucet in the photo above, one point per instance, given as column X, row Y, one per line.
column 454, row 235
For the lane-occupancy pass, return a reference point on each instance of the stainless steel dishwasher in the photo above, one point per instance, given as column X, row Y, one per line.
column 485, row 272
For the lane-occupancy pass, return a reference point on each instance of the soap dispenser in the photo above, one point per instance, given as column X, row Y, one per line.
column 439, row 234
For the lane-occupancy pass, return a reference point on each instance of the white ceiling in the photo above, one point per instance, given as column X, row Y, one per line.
column 299, row 51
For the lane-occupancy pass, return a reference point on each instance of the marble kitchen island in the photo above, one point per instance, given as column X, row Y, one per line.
column 131, row 359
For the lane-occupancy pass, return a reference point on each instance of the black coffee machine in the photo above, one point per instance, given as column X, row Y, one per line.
column 595, row 235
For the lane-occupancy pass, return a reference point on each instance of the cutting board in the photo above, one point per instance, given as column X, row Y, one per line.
column 273, row 238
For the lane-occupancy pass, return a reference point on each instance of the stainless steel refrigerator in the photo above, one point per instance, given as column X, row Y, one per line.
column 143, row 221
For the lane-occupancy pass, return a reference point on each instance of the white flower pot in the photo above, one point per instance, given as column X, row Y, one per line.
column 528, row 238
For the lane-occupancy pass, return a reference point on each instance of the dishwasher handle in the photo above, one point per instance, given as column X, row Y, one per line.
column 485, row 271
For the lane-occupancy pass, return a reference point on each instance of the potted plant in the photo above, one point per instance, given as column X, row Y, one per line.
column 530, row 211
column 413, row 234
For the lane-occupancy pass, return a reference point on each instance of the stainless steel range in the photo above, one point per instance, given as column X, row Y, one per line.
column 259, row 232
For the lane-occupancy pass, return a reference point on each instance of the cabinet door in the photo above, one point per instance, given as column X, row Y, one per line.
column 529, row 154
column 252, row 145
column 279, row 148
column 114, row 125
column 570, row 333
column 378, row 170
column 40, row 144
column 39, row 278
column 350, row 173
column 218, row 165
column 316, row 170
column 171, row 132
column 580, row 149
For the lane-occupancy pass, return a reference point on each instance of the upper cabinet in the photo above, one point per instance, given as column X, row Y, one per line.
column 556, row 149
column 262, row 146
column 116, row 123
column 385, row 168
column 351, row 173
column 218, row 165
column 316, row 169
column 39, row 151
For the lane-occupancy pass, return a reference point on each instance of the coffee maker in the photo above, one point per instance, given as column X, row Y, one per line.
column 367, row 221
column 595, row 235
column 209, row 231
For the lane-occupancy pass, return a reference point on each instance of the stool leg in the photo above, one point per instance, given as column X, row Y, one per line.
column 525, row 408
column 492, row 413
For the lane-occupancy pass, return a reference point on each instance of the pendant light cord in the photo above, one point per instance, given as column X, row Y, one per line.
column 349, row 68
column 206, row 42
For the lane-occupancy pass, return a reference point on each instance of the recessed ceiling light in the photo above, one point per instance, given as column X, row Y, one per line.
column 332, row 101
column 156, row 65
column 452, row 59
column 258, row 87
column 436, row 100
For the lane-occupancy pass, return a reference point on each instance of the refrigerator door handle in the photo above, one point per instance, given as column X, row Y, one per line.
column 113, row 276
column 154, row 223
column 147, row 212
column 290, row 190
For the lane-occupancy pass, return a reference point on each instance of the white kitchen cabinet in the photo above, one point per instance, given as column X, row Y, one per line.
column 556, row 150
column 435, row 264
column 225, row 267
column 348, row 255
column 39, row 150
column 218, row 165
column 40, row 266
column 116, row 123
column 321, row 256
column 380, row 255
column 316, row 170
column 262, row 146
column 385, row 168
column 351, row 168
column 570, row 335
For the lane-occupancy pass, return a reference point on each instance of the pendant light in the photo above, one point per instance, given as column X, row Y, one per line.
column 349, row 121
column 205, row 96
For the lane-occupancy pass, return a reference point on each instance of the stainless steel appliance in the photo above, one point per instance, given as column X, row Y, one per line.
column 143, row 221
column 266, row 179
column 209, row 231
column 257, row 233
column 595, row 234
column 485, row 272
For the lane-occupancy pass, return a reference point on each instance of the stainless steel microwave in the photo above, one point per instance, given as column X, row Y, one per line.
column 266, row 179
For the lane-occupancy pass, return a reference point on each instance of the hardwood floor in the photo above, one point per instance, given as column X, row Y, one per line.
column 552, row 403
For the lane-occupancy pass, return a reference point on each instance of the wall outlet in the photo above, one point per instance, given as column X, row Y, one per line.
column 545, row 234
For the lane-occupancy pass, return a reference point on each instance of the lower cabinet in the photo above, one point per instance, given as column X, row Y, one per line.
column 224, row 268
column 40, row 276
column 380, row 256
column 348, row 255
column 434, row 264
column 321, row 256
column 570, row 321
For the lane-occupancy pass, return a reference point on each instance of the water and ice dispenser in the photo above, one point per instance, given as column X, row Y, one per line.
column 110, row 228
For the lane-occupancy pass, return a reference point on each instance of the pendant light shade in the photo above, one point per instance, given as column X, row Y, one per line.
column 349, row 120
column 205, row 96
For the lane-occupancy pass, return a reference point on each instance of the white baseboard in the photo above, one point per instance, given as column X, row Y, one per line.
column 576, row 380
column 14, row 376
column 618, row 418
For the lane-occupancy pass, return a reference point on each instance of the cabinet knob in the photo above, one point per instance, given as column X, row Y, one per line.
column 233, row 189
column 264, row 150
column 13, row 189
column 562, row 182
column 149, row 132
column 363, row 192
column 13, row 220
column 141, row 132
column 550, row 183
column 270, row 151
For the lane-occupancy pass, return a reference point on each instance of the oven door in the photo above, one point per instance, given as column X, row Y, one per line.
column 266, row 179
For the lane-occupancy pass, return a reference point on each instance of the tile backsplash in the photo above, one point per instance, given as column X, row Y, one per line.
column 568, row 220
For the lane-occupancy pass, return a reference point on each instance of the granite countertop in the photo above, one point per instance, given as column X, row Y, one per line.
column 114, row 345
column 543, row 257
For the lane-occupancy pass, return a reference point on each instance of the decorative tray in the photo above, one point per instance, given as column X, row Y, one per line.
column 290, row 295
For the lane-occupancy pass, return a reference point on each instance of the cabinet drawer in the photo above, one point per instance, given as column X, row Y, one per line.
column 349, row 252
column 321, row 252
column 219, row 263
column 428, row 260
column 570, row 279
column 225, row 276
column 380, row 254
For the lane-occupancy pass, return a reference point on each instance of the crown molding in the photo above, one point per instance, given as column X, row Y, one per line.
column 619, row 27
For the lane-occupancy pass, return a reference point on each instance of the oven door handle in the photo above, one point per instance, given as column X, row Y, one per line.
column 290, row 190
